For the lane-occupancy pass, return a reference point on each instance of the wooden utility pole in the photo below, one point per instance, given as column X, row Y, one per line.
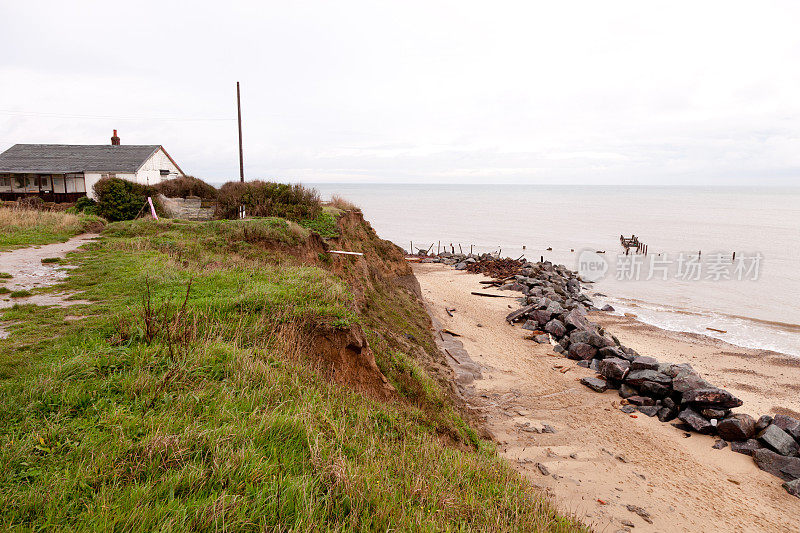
column 239, row 111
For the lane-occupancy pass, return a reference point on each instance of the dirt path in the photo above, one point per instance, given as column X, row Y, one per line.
column 599, row 460
column 28, row 272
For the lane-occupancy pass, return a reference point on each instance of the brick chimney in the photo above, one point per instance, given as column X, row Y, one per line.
column 115, row 139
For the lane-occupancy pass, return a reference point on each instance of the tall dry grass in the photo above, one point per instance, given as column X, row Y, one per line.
column 21, row 218
column 29, row 227
column 340, row 203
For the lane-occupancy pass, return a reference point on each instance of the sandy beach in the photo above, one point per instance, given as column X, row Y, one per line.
column 613, row 470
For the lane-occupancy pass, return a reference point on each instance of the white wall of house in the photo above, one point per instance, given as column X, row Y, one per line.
column 149, row 173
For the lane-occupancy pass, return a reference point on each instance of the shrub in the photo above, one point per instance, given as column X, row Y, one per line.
column 119, row 199
column 340, row 203
column 85, row 205
column 268, row 199
column 187, row 186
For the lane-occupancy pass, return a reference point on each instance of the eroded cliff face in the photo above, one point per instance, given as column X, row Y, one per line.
column 345, row 357
column 388, row 301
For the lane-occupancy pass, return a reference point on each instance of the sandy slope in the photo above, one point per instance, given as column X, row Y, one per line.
column 601, row 460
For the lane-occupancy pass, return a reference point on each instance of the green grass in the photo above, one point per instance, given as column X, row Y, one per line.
column 20, row 294
column 51, row 260
column 4, row 290
column 188, row 399
column 27, row 227
column 5, row 275
column 324, row 224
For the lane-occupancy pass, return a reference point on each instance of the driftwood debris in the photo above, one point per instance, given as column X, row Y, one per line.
column 717, row 330
column 491, row 295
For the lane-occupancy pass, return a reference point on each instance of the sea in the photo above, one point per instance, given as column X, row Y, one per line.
column 725, row 258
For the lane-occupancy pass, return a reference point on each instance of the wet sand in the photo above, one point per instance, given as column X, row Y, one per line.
column 599, row 460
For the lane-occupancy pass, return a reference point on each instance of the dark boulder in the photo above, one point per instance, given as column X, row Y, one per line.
column 641, row 400
column 640, row 376
column 737, row 427
column 696, row 421
column 596, row 384
column 747, row 447
column 598, row 341
column 614, row 368
column 644, row 362
column 689, row 380
column 665, row 414
column 542, row 338
column 789, row 425
column 714, row 397
column 763, row 423
column 574, row 320
column 530, row 325
column 656, row 390
column 611, row 351
column 712, row 413
column 779, row 440
column 626, row 391
column 649, row 410
column 580, row 350
column 786, row 468
column 793, row 487
column 555, row 308
column 540, row 317
column 559, row 349
column 555, row 328
column 608, row 308
column 580, row 335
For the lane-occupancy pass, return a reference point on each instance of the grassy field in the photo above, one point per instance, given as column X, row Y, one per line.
column 30, row 227
column 188, row 397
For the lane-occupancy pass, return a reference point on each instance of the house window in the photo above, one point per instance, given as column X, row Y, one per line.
column 58, row 184
column 47, row 184
column 5, row 184
column 75, row 183
column 18, row 183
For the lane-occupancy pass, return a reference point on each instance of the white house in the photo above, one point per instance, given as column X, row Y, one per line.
column 64, row 173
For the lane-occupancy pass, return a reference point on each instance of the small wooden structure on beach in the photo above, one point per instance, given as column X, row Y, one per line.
column 632, row 242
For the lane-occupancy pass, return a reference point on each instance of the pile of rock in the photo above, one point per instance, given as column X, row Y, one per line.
column 555, row 311
column 459, row 261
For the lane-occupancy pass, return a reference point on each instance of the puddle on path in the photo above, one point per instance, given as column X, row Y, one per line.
column 28, row 272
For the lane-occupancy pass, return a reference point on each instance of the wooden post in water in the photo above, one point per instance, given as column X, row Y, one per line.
column 470, row 249
column 734, row 257
column 412, row 248
column 459, row 249
column 438, row 248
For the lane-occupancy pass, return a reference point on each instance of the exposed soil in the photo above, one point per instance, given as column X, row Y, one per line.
column 613, row 470
column 349, row 361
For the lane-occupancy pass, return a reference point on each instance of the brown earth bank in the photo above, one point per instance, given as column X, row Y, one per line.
column 616, row 471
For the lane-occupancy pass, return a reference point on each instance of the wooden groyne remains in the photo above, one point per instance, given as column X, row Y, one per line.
column 633, row 242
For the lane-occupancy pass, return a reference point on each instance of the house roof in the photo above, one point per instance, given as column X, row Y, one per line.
column 63, row 158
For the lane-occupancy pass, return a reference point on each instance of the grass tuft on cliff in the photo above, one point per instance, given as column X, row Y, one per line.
column 187, row 396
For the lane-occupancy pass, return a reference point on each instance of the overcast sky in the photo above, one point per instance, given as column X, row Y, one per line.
column 420, row 91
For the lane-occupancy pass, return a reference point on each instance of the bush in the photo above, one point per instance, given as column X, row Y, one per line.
column 119, row 199
column 85, row 205
column 268, row 199
column 187, row 186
